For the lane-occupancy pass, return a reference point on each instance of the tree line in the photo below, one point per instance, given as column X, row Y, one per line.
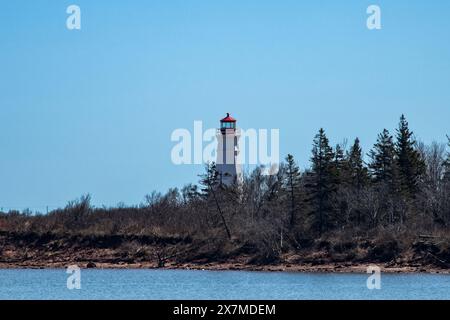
column 400, row 186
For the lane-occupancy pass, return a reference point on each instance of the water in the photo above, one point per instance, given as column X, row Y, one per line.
column 185, row 284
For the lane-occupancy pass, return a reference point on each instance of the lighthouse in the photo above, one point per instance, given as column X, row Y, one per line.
column 228, row 162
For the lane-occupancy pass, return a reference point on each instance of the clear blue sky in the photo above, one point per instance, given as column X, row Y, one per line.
column 93, row 110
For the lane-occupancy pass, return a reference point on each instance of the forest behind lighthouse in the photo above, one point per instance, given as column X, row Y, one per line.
column 389, row 205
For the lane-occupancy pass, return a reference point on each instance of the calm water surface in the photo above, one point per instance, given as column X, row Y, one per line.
column 184, row 284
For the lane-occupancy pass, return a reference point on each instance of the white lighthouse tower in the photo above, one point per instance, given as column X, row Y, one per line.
column 228, row 162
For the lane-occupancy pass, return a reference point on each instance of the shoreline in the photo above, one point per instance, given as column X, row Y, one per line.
column 288, row 268
column 50, row 251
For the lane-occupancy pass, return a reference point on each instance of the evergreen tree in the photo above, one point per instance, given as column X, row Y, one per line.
column 340, row 165
column 209, row 180
column 411, row 165
column 384, row 171
column 322, row 182
column 292, row 186
column 357, row 178
column 342, row 180
column 383, row 165
column 358, row 173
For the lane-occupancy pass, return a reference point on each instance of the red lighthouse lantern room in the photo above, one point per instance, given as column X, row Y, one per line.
column 228, row 122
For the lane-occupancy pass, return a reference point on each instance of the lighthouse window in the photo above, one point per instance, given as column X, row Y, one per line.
column 228, row 125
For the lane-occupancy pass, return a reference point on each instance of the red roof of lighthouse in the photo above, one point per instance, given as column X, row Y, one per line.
column 228, row 118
